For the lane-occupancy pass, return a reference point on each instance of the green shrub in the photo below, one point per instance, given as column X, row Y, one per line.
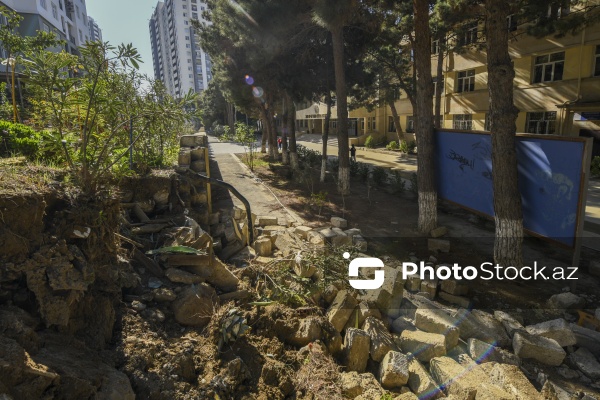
column 20, row 140
column 363, row 171
column 393, row 145
column 354, row 167
column 370, row 142
column 397, row 181
column 334, row 164
column 595, row 169
column 379, row 176
column 403, row 147
column 412, row 145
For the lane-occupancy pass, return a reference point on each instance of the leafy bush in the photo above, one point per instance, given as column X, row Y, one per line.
column 307, row 156
column 334, row 164
column 354, row 168
column 20, row 140
column 595, row 169
column 370, row 142
column 414, row 184
column 379, row 176
column 363, row 171
column 412, row 145
column 393, row 145
column 403, row 147
column 397, row 181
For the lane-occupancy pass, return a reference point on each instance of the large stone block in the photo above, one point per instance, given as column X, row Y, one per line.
column 340, row 310
column 587, row 338
column 557, row 329
column 456, row 379
column 262, row 246
column 193, row 141
column 566, row 301
column 393, row 371
column 424, row 346
column 356, row 349
column 302, row 231
column 438, row 321
column 265, row 220
column 455, row 287
column 483, row 352
column 511, row 325
column 483, row 326
column 547, row 351
column 388, row 298
column 420, row 382
column 338, row 222
column 381, row 339
column 586, row 363
column 308, row 331
column 511, row 379
column 195, row 305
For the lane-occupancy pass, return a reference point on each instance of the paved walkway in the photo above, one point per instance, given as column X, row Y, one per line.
column 227, row 167
column 591, row 236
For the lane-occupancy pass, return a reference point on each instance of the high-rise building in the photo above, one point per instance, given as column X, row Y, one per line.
column 67, row 18
column 178, row 59
column 94, row 30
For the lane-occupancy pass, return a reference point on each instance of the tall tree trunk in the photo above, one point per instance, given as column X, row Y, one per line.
column 396, row 118
column 292, row 145
column 503, row 114
column 264, row 125
column 273, row 153
column 287, row 121
column 230, row 119
column 337, row 36
column 325, row 137
column 439, row 85
column 424, row 118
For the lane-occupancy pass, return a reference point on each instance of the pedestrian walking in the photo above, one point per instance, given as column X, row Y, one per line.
column 353, row 153
column 279, row 141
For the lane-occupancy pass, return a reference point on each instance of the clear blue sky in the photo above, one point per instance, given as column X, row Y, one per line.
column 125, row 21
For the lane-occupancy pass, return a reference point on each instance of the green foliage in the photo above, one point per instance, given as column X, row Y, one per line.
column 379, row 175
column 354, row 168
column 334, row 163
column 393, row 145
column 319, row 200
column 414, row 184
column 370, row 142
column 19, row 139
column 363, row 171
column 308, row 157
column 397, row 181
column 595, row 167
column 412, row 145
column 244, row 134
column 403, row 147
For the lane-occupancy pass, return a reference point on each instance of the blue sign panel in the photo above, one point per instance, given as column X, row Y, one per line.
column 550, row 173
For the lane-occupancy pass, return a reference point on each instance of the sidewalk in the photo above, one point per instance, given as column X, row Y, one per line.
column 408, row 165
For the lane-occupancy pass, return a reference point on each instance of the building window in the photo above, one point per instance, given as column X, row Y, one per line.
column 549, row 67
column 43, row 4
column 371, row 124
column 463, row 122
column 187, row 38
column 435, row 84
column 435, row 46
column 54, row 11
column 333, row 124
column 597, row 59
column 80, row 35
column 194, row 8
column 410, row 124
column 186, row 22
column 185, row 14
column 465, row 81
column 469, row 34
column 184, row 7
column 391, row 125
column 77, row 11
column 188, row 45
column 541, row 122
column 362, row 124
column 195, row 15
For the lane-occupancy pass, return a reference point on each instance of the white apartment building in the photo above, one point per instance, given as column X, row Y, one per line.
column 178, row 59
column 94, row 30
column 67, row 18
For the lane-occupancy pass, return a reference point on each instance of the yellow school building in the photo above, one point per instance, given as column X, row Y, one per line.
column 556, row 89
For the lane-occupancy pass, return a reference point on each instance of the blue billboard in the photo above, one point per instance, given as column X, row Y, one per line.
column 550, row 179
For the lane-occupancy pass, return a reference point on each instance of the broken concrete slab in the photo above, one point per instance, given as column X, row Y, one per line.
column 308, row 331
column 262, row 246
column 420, row 382
column 360, row 243
column 587, row 338
column 483, row 352
column 381, row 339
column 195, row 305
column 178, row 276
column 363, row 310
column 338, row 222
column 356, row 349
column 547, row 351
column 302, row 231
column 566, row 301
column 341, row 309
column 460, row 301
column 424, row 346
column 265, row 220
column 413, row 283
column 511, row 325
column 440, row 322
column 393, row 371
column 483, row 326
column 557, row 329
column 586, row 363
column 316, row 238
column 430, row 287
column 511, row 379
column 217, row 274
column 454, row 287
column 458, row 380
column 302, row 267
